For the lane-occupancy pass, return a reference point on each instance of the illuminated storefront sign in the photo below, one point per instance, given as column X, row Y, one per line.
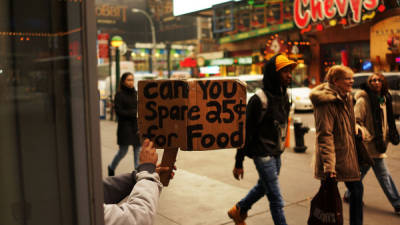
column 318, row 10
column 221, row 62
column 231, row 61
column 109, row 14
column 245, row 60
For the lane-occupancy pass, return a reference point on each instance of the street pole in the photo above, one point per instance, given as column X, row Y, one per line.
column 116, row 41
column 111, row 90
column 153, row 37
column 168, row 48
column 116, row 68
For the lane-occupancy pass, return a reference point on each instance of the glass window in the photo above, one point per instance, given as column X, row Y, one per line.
column 42, row 115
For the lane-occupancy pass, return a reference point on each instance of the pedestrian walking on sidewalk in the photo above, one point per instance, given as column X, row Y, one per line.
column 335, row 153
column 266, row 126
column 376, row 123
column 125, row 105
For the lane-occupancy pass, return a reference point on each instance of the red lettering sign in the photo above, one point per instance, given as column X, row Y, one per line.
column 342, row 6
column 370, row 4
column 103, row 45
column 356, row 8
column 316, row 10
column 301, row 20
column 330, row 12
column 319, row 10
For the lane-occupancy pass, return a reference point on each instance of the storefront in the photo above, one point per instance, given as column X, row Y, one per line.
column 142, row 53
column 385, row 43
column 342, row 35
column 234, row 66
column 267, row 29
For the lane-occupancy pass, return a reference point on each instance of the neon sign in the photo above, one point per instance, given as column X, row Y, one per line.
column 318, row 10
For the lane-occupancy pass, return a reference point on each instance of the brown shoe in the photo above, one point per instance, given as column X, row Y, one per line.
column 237, row 216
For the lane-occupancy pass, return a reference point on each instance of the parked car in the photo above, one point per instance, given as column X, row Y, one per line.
column 253, row 82
column 393, row 81
column 300, row 97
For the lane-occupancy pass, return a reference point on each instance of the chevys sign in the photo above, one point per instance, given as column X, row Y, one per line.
column 319, row 10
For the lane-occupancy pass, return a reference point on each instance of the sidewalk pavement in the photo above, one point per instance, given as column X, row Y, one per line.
column 204, row 189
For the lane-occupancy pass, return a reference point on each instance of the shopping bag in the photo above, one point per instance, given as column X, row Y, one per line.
column 326, row 206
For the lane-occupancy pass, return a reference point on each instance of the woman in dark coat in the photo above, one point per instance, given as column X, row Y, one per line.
column 125, row 105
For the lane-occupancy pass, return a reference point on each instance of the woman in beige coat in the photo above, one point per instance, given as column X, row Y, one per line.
column 374, row 101
column 335, row 154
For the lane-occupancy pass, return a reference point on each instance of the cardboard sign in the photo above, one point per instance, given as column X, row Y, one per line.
column 193, row 114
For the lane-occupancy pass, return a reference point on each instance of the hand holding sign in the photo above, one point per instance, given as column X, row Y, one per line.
column 193, row 115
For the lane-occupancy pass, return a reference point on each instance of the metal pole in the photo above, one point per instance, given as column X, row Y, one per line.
column 116, row 68
column 168, row 47
column 111, row 89
column 153, row 37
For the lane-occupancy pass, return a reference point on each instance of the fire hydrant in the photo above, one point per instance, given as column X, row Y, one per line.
column 299, row 132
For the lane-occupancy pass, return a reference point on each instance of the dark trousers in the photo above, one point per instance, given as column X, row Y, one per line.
column 356, row 190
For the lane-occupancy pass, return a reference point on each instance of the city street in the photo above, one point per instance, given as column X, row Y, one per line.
column 204, row 189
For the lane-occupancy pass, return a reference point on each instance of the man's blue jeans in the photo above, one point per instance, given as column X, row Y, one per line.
column 121, row 154
column 385, row 180
column 268, row 170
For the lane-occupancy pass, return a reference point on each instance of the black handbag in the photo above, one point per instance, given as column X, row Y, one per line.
column 394, row 136
column 364, row 159
column 326, row 206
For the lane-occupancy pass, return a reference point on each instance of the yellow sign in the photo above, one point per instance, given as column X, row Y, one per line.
column 117, row 12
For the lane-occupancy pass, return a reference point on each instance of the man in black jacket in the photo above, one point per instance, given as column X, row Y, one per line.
column 266, row 126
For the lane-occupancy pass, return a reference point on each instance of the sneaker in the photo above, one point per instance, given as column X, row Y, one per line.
column 110, row 171
column 237, row 216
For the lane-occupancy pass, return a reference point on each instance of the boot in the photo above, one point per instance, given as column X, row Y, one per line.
column 237, row 216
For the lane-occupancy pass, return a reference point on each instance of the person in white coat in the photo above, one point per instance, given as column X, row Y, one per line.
column 140, row 207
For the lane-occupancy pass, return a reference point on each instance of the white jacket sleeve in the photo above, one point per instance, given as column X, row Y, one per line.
column 141, row 205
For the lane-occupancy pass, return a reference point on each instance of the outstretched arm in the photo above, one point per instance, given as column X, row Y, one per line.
column 143, row 200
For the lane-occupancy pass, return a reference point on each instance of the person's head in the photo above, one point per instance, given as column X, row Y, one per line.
column 341, row 77
column 127, row 80
column 284, row 67
column 377, row 83
column 278, row 73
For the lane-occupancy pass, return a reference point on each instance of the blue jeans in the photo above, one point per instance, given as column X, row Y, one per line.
column 385, row 180
column 356, row 190
column 268, row 170
column 122, row 152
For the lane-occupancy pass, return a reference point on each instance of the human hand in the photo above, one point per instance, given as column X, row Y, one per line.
column 148, row 153
column 160, row 169
column 238, row 173
column 330, row 176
